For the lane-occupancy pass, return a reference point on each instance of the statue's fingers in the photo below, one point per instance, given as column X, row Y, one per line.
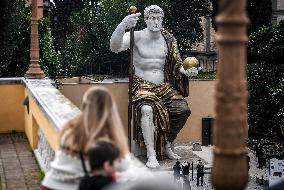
column 135, row 15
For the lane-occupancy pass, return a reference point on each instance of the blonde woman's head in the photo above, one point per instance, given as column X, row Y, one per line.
column 99, row 119
column 97, row 105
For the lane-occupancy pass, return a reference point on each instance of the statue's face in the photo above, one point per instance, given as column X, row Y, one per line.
column 154, row 22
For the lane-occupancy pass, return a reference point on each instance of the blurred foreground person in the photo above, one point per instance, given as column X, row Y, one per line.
column 147, row 184
column 104, row 161
column 99, row 118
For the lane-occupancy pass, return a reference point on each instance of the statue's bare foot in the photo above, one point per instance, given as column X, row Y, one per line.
column 171, row 154
column 152, row 162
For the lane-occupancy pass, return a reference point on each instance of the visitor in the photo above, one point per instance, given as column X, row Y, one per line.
column 104, row 160
column 185, row 169
column 200, row 172
column 99, row 118
column 176, row 169
column 248, row 161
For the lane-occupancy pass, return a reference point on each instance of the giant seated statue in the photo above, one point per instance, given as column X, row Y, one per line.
column 160, row 83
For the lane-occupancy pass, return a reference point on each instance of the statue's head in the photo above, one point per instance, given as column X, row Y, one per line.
column 153, row 16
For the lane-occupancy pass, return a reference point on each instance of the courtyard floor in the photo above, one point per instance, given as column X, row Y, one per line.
column 18, row 167
column 185, row 151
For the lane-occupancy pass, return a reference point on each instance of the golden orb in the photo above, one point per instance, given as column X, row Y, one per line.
column 190, row 62
column 133, row 9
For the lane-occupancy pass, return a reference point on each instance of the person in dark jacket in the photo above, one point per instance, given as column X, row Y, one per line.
column 185, row 169
column 200, row 172
column 176, row 169
column 248, row 161
column 104, row 161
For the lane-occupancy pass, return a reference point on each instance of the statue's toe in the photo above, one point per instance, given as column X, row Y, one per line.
column 152, row 163
column 172, row 155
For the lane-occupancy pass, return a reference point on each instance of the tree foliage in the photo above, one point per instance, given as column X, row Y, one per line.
column 86, row 48
column 15, row 42
column 266, row 81
column 14, row 38
column 259, row 13
column 61, row 11
column 184, row 19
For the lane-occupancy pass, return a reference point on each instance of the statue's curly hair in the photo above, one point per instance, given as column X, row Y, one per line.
column 152, row 9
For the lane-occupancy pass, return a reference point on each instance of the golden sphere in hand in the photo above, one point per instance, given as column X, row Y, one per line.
column 133, row 9
column 190, row 62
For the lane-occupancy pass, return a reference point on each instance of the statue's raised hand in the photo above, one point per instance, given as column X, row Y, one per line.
column 130, row 21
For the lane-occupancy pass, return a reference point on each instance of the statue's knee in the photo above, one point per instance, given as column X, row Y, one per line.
column 186, row 110
column 146, row 110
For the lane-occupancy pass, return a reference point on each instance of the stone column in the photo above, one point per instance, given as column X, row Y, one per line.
column 230, row 130
column 34, row 70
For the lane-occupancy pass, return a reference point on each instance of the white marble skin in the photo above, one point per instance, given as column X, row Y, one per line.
column 149, row 55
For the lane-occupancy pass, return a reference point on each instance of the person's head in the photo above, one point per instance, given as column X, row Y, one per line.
column 99, row 118
column 178, row 163
column 153, row 16
column 104, row 156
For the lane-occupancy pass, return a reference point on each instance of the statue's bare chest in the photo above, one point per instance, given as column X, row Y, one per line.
column 156, row 49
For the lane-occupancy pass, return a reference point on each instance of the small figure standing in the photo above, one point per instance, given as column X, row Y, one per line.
column 185, row 169
column 176, row 169
column 248, row 161
column 200, row 172
column 259, row 155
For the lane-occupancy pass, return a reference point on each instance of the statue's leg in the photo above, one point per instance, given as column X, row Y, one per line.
column 178, row 112
column 148, row 129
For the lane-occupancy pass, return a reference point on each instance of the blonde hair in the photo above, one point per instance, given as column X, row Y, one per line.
column 99, row 119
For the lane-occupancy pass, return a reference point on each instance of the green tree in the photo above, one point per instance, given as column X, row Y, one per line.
column 266, row 81
column 87, row 47
column 259, row 13
column 61, row 12
column 15, row 42
column 49, row 58
column 183, row 18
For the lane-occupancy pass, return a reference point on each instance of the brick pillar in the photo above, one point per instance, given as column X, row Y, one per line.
column 34, row 70
column 230, row 129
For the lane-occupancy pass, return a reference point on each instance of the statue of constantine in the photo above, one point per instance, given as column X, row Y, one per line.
column 160, row 83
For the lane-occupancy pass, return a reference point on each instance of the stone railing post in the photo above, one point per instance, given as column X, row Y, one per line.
column 34, row 70
column 230, row 130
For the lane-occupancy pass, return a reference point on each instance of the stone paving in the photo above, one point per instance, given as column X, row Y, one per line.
column 18, row 167
column 182, row 150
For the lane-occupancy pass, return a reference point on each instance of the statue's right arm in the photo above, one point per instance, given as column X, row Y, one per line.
column 119, row 39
